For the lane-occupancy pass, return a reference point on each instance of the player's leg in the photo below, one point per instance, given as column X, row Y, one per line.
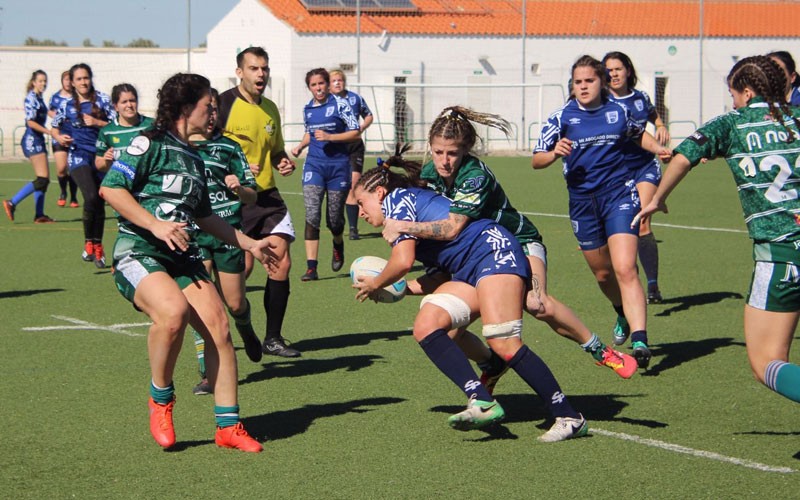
column 158, row 296
column 648, row 247
column 208, row 317
column 623, row 249
column 41, row 170
column 202, row 387
column 312, row 200
column 501, row 297
column 452, row 307
column 276, row 298
column 232, row 287
column 60, row 157
column 335, row 221
column 351, row 207
column 770, row 321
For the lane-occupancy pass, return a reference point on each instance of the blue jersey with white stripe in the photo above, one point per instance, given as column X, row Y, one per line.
column 642, row 111
column 599, row 137
column 358, row 104
column 55, row 103
column 481, row 248
column 69, row 122
column 334, row 116
column 35, row 110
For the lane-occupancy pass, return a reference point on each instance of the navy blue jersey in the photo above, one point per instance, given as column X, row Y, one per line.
column 482, row 248
column 55, row 103
column 68, row 121
column 599, row 137
column 794, row 99
column 35, row 110
column 334, row 116
column 642, row 111
column 358, row 104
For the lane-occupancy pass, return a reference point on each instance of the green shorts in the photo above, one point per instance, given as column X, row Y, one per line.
column 775, row 286
column 226, row 258
column 131, row 267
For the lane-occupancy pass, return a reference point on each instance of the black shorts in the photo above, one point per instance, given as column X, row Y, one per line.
column 268, row 215
column 356, row 149
column 58, row 147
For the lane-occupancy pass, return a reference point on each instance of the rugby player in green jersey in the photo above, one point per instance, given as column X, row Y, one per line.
column 115, row 137
column 158, row 187
column 760, row 140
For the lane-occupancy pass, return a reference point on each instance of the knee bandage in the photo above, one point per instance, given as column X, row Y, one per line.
column 503, row 330
column 455, row 307
column 40, row 184
column 311, row 233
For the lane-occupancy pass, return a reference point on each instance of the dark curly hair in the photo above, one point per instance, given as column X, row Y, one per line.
column 179, row 94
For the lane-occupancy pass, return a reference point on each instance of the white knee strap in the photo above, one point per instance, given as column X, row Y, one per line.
column 503, row 330
column 455, row 307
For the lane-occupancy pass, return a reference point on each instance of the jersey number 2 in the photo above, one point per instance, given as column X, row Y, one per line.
column 775, row 192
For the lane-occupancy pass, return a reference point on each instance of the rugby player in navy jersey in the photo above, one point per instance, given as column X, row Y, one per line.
column 330, row 125
column 76, row 125
column 35, row 149
column 760, row 141
column 786, row 62
column 646, row 168
column 356, row 148
column 589, row 134
column 60, row 152
column 490, row 278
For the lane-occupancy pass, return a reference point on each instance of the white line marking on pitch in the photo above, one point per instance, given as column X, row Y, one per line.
column 78, row 324
column 691, row 451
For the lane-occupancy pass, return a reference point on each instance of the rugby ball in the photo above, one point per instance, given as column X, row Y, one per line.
column 372, row 266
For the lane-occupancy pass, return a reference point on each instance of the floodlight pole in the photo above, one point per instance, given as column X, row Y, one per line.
column 523, row 131
column 188, row 36
column 358, row 41
column 700, row 38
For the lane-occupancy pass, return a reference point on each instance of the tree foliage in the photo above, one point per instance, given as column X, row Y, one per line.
column 142, row 43
column 47, row 42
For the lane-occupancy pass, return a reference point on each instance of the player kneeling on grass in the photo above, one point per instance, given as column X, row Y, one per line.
column 159, row 189
column 490, row 277
column 760, row 140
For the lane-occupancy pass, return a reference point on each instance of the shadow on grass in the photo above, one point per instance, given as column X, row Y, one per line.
column 285, row 424
column 521, row 408
column 680, row 304
column 28, row 293
column 348, row 340
column 671, row 355
column 303, row 367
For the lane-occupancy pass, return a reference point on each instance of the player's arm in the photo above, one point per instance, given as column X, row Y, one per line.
column 33, row 125
column 366, row 123
column 399, row 264
column 649, row 143
column 443, row 230
column 246, row 194
column 348, row 136
column 215, row 225
column 543, row 159
column 304, row 142
column 678, row 167
column 121, row 200
column 63, row 139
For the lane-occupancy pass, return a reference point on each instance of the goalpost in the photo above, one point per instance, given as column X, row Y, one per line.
column 404, row 110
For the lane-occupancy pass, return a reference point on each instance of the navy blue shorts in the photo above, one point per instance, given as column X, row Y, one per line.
column 599, row 215
column 32, row 144
column 650, row 173
column 331, row 176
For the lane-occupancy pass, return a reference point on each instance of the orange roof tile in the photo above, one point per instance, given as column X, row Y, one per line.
column 600, row 18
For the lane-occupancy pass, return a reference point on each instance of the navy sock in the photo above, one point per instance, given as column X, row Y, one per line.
column 352, row 215
column 276, row 300
column 62, row 184
column 639, row 336
column 536, row 374
column 311, row 263
column 451, row 361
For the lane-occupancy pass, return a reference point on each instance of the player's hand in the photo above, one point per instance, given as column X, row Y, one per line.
column 232, row 183
column 172, row 233
column 255, row 168
column 664, row 154
column 285, row 166
column 321, row 135
column 296, row 151
column 109, row 155
column 653, row 207
column 90, row 121
column 391, row 230
column 563, row 148
column 264, row 252
column 662, row 135
column 366, row 287
column 65, row 140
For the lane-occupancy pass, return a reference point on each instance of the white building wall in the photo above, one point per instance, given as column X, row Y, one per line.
column 146, row 69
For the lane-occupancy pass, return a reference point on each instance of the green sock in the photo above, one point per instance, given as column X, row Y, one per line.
column 200, row 350
column 783, row 378
column 595, row 347
column 162, row 395
column 226, row 416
